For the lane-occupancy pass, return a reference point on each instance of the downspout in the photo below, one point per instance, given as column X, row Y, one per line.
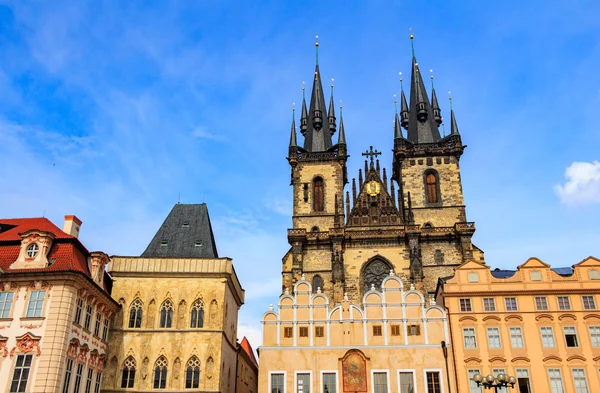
column 453, row 354
column 445, row 351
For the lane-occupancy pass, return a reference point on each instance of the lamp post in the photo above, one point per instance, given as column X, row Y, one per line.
column 499, row 381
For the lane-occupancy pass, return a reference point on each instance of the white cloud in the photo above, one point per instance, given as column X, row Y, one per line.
column 582, row 185
column 253, row 332
column 280, row 206
column 202, row 132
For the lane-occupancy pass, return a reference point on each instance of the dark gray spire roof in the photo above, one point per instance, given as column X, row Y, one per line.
column 318, row 136
column 403, row 110
column 293, row 134
column 453, row 125
column 435, row 107
column 425, row 131
column 342, row 133
column 397, row 128
column 185, row 233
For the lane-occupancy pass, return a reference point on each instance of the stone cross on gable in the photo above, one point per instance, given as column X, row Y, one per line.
column 371, row 153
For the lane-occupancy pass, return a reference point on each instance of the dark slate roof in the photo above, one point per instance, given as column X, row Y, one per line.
column 317, row 139
column 186, row 233
column 497, row 273
column 426, row 131
column 563, row 271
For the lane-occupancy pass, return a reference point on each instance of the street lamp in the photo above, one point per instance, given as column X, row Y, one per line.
column 499, row 381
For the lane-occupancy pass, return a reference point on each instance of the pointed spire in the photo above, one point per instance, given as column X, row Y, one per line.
column 336, row 217
column 392, row 192
column 360, row 178
column 411, row 217
column 397, row 124
column 342, row 133
column 366, row 168
column 377, row 168
column 435, row 107
column 316, row 139
column 422, row 127
column 453, row 125
column 293, row 131
column 304, row 116
column 384, row 179
column 331, row 112
column 347, row 204
column 353, row 192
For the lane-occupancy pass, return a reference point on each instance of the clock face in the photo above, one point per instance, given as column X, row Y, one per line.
column 373, row 188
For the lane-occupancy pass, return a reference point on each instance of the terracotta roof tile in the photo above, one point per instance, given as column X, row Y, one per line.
column 245, row 344
column 24, row 224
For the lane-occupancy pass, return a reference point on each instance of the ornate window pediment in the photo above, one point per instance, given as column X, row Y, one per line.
column 35, row 246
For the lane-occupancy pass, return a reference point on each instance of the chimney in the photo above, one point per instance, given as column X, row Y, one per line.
column 72, row 224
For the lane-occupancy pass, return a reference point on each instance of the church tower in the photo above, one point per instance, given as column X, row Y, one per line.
column 413, row 223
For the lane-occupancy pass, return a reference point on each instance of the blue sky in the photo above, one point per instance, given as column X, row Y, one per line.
column 110, row 110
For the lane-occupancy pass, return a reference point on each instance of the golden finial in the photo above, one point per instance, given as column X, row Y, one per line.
column 293, row 106
column 316, row 40
column 450, row 99
column 411, row 34
column 340, row 104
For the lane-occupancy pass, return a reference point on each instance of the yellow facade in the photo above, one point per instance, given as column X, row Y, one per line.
column 203, row 286
column 395, row 334
column 535, row 324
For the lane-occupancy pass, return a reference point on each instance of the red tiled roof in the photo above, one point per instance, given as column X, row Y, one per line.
column 66, row 254
column 25, row 224
column 245, row 344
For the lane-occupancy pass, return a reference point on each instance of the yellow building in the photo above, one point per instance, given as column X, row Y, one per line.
column 538, row 324
column 178, row 324
column 55, row 308
column 344, row 323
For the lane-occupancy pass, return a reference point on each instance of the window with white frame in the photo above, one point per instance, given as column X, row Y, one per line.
column 564, row 303
column 303, row 383
column 88, row 316
column 407, row 383
column 98, row 323
column 489, row 304
column 516, row 337
column 78, row 311
column 571, row 336
column 380, row 382
column 523, row 381
column 78, row 377
column 21, row 373
column 541, row 303
column 465, row 305
column 547, row 337
column 589, row 302
column 98, row 382
column 556, row 383
column 595, row 335
column 469, row 338
column 89, row 380
column 105, row 329
column 36, row 304
column 433, row 381
column 68, row 372
column 510, row 304
column 493, row 334
column 5, row 304
column 329, row 383
column 277, row 384
column 579, row 380
column 473, row 388
column 495, row 372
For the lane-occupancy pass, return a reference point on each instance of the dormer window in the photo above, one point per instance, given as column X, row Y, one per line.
column 33, row 250
column 198, row 244
column 164, row 243
column 186, row 224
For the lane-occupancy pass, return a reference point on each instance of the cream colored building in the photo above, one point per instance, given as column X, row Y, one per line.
column 538, row 324
column 395, row 341
column 55, row 308
column 178, row 324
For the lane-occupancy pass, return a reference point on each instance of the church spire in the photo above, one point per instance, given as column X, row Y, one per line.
column 293, row 142
column 421, row 123
column 317, row 138
column 453, row 125
column 403, row 105
column 342, row 134
column 437, row 115
column 331, row 112
column 397, row 127
column 304, row 116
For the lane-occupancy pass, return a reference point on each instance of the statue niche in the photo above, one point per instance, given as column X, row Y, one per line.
column 374, row 272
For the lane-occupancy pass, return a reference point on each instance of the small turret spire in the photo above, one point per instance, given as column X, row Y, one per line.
column 360, row 178
column 304, row 115
column 293, row 142
column 435, row 107
column 403, row 106
column 342, row 134
column 453, row 125
column 353, row 191
column 331, row 112
column 392, row 192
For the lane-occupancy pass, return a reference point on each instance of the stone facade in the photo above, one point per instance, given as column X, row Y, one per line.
column 537, row 324
column 207, row 287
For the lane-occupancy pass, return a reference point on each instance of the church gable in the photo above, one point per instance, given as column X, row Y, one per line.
column 373, row 206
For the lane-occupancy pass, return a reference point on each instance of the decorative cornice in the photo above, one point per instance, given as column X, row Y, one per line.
column 469, row 318
column 492, row 318
column 497, row 359
column 550, row 358
column 472, row 359
column 520, row 359
column 544, row 316
column 513, row 316
column 575, row 357
column 564, row 316
column 591, row 316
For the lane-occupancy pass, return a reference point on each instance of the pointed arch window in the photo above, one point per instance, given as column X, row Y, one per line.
column 432, row 187
column 318, row 195
column 166, row 314
column 128, row 377
column 192, row 373
column 317, row 283
column 135, row 314
column 160, row 373
column 373, row 274
column 197, row 314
